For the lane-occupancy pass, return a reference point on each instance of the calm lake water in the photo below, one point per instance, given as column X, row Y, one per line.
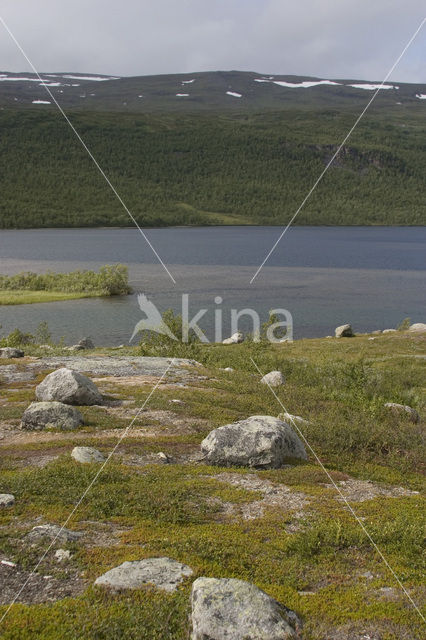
column 372, row 277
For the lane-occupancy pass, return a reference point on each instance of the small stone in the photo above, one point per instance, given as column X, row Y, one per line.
column 236, row 338
column 62, row 554
column 162, row 457
column 344, row 331
column 87, row 454
column 8, row 563
column 54, row 532
column 288, row 417
column 163, row 573
column 7, row 499
column 273, row 379
column 11, row 352
column 42, row 415
column 403, row 409
column 228, row 369
column 230, row 609
column 176, row 401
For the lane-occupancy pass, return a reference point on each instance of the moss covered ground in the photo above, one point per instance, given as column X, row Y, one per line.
column 305, row 548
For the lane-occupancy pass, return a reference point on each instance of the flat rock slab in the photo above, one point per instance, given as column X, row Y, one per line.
column 163, row 573
column 54, row 532
column 118, row 365
column 11, row 352
column 262, row 442
column 87, row 455
column 229, row 609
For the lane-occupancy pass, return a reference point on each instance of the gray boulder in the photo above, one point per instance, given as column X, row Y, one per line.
column 54, row 532
column 403, row 409
column 273, row 379
column 262, row 442
column 163, row 573
column 344, row 331
column 6, row 500
column 86, row 343
column 87, row 454
column 230, row 609
column 417, row 326
column 11, row 352
column 70, row 387
column 42, row 415
column 236, row 338
column 389, row 331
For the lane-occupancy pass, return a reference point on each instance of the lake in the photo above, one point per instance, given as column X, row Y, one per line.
column 371, row 277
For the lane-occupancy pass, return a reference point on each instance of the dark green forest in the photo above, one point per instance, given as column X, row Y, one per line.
column 211, row 168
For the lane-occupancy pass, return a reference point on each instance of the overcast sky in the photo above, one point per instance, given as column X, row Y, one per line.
column 357, row 39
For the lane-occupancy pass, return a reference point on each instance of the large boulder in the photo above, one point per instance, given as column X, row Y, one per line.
column 236, row 338
column 11, row 352
column 42, row 415
column 262, row 442
column 273, row 379
column 230, row 609
column 163, row 573
column 70, row 387
column 403, row 410
column 344, row 331
column 417, row 326
column 87, row 454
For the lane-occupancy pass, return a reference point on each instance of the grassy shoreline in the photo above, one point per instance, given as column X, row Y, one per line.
column 28, row 287
column 34, row 297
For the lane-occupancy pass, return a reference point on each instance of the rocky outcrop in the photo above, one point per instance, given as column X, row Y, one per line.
column 417, row 326
column 273, row 379
column 403, row 410
column 11, row 352
column 54, row 532
column 163, row 573
column 344, row 331
column 43, row 415
column 70, row 387
column 262, row 442
column 236, row 338
column 230, row 609
column 86, row 455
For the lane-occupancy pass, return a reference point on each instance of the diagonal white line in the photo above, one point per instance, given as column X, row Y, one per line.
column 345, row 139
column 92, row 157
column 350, row 508
column 85, row 492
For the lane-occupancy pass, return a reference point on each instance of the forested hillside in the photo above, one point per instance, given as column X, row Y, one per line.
column 217, row 167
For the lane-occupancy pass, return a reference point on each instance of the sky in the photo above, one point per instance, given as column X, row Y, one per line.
column 353, row 39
